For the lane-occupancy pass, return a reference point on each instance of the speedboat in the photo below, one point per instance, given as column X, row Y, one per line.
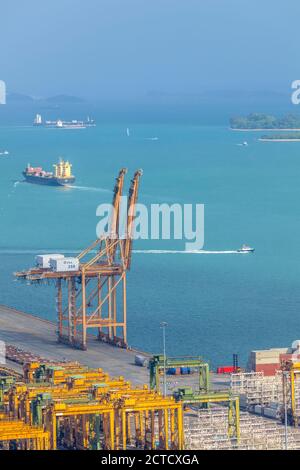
column 246, row 249
column 4, row 154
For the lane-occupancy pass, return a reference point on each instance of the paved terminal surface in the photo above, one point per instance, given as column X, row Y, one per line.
column 36, row 335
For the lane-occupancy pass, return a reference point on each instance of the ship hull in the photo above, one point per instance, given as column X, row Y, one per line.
column 48, row 181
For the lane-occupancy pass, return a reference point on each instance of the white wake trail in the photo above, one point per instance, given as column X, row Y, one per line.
column 89, row 188
column 153, row 252
column 188, row 252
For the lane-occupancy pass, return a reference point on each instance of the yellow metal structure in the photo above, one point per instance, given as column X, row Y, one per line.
column 17, row 435
column 291, row 391
column 81, row 408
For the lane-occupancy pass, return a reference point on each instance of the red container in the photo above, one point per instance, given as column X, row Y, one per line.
column 225, row 370
column 267, row 369
column 289, row 357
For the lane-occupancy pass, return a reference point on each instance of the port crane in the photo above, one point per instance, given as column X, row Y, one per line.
column 94, row 297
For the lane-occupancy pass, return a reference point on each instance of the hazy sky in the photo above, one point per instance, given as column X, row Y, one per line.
column 128, row 48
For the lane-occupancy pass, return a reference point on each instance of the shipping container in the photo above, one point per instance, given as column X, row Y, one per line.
column 171, row 371
column 43, row 261
column 289, row 357
column 64, row 264
column 267, row 369
column 271, row 412
column 185, row 370
column 226, row 370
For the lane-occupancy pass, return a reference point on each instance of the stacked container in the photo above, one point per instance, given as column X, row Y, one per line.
column 43, row 261
column 267, row 361
column 64, row 264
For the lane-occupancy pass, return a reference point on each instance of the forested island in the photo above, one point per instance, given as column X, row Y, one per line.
column 257, row 121
column 287, row 137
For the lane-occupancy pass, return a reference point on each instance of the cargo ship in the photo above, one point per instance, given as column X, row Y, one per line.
column 60, row 124
column 62, row 175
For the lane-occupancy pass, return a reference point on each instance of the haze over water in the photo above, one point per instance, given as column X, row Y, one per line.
column 215, row 304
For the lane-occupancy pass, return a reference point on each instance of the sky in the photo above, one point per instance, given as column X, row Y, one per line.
column 128, row 49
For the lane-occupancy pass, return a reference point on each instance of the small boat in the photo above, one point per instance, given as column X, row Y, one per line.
column 246, row 249
column 4, row 154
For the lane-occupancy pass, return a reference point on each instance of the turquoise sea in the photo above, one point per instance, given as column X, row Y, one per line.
column 214, row 304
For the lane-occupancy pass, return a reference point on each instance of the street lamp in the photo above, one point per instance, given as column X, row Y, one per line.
column 163, row 325
column 285, row 379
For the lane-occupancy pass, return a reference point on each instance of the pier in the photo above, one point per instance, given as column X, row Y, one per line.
column 38, row 336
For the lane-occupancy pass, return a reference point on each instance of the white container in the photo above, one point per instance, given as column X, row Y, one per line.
column 43, row 261
column 64, row 264
column 258, row 409
column 270, row 412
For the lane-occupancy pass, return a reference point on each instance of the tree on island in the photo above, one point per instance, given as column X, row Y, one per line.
column 265, row 121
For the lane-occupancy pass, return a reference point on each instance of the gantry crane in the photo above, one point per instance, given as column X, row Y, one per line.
column 96, row 292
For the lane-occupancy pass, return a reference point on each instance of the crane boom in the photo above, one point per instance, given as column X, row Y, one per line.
column 114, row 231
column 132, row 200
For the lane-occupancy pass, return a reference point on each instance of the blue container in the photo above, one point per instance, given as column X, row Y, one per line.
column 171, row 371
column 185, row 370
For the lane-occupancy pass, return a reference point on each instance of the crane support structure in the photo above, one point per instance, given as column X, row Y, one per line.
column 69, row 406
column 94, row 296
column 291, row 391
column 157, row 364
column 188, row 397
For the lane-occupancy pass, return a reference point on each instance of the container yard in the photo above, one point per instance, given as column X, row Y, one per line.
column 55, row 397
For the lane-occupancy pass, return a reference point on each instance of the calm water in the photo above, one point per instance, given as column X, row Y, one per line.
column 215, row 304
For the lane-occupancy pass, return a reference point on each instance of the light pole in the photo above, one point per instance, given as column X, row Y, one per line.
column 285, row 377
column 163, row 325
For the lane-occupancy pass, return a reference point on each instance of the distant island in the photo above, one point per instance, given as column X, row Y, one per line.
column 64, row 99
column 53, row 100
column 19, row 98
column 287, row 137
column 257, row 121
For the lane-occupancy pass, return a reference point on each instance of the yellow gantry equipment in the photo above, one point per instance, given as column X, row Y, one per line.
column 81, row 408
column 16, row 435
column 291, row 391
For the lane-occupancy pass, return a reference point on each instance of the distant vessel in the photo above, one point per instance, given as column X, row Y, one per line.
column 4, row 154
column 62, row 175
column 38, row 120
column 60, row 124
column 246, row 249
column 128, row 132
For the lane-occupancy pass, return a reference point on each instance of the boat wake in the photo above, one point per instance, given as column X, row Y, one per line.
column 88, row 188
column 154, row 252
column 188, row 252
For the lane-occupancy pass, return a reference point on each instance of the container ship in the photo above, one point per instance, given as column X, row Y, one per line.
column 60, row 124
column 62, row 175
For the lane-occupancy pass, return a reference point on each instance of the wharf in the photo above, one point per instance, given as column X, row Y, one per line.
column 38, row 336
